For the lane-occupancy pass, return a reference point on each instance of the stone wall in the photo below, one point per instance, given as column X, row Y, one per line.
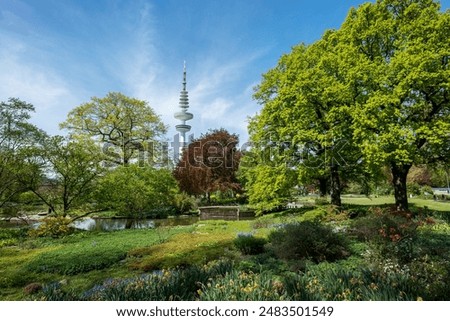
column 223, row 212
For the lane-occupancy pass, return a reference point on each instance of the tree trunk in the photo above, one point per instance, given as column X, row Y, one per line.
column 323, row 186
column 335, row 190
column 65, row 201
column 129, row 224
column 399, row 174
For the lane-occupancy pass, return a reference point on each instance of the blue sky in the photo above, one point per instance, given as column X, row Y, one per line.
column 57, row 54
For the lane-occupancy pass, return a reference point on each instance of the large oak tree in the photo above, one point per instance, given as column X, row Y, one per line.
column 127, row 127
column 395, row 54
column 304, row 120
column 379, row 85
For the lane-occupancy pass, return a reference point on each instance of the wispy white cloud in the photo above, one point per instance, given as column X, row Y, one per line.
column 33, row 83
column 216, row 110
column 138, row 64
column 124, row 54
column 211, row 81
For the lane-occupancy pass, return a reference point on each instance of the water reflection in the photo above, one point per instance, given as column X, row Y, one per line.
column 112, row 224
column 108, row 224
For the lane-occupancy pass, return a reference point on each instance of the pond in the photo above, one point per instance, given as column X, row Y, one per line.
column 111, row 224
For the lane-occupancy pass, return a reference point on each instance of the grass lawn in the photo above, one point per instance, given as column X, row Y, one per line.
column 418, row 202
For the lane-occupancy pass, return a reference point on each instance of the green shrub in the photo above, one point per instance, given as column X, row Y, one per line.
column 427, row 191
column 317, row 214
column 138, row 191
column 321, row 201
column 249, row 244
column 184, row 203
column 11, row 236
column 413, row 188
column 393, row 233
column 308, row 240
column 385, row 225
column 55, row 226
column 433, row 276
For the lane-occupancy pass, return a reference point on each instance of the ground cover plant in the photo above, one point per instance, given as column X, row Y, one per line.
column 74, row 257
column 356, row 252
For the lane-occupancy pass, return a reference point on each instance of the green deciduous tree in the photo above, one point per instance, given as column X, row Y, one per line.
column 73, row 168
column 17, row 134
column 395, row 53
column 126, row 127
column 305, row 117
column 378, row 87
column 137, row 191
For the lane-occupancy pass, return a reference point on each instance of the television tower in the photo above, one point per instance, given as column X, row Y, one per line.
column 183, row 115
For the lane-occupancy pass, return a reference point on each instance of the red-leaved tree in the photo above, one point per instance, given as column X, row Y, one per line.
column 209, row 164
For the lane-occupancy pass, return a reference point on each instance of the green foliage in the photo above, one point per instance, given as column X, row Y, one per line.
column 243, row 286
column 317, row 214
column 248, row 244
column 138, row 191
column 433, row 275
column 413, row 188
column 334, row 282
column 268, row 187
column 220, row 281
column 301, row 125
column 401, row 116
column 184, row 203
column 392, row 233
column 385, row 72
column 385, row 225
column 426, row 191
column 434, row 239
column 127, row 127
column 321, row 201
column 55, row 226
column 320, row 282
column 163, row 285
column 74, row 167
column 308, row 240
column 11, row 236
column 87, row 252
column 17, row 137
column 185, row 249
